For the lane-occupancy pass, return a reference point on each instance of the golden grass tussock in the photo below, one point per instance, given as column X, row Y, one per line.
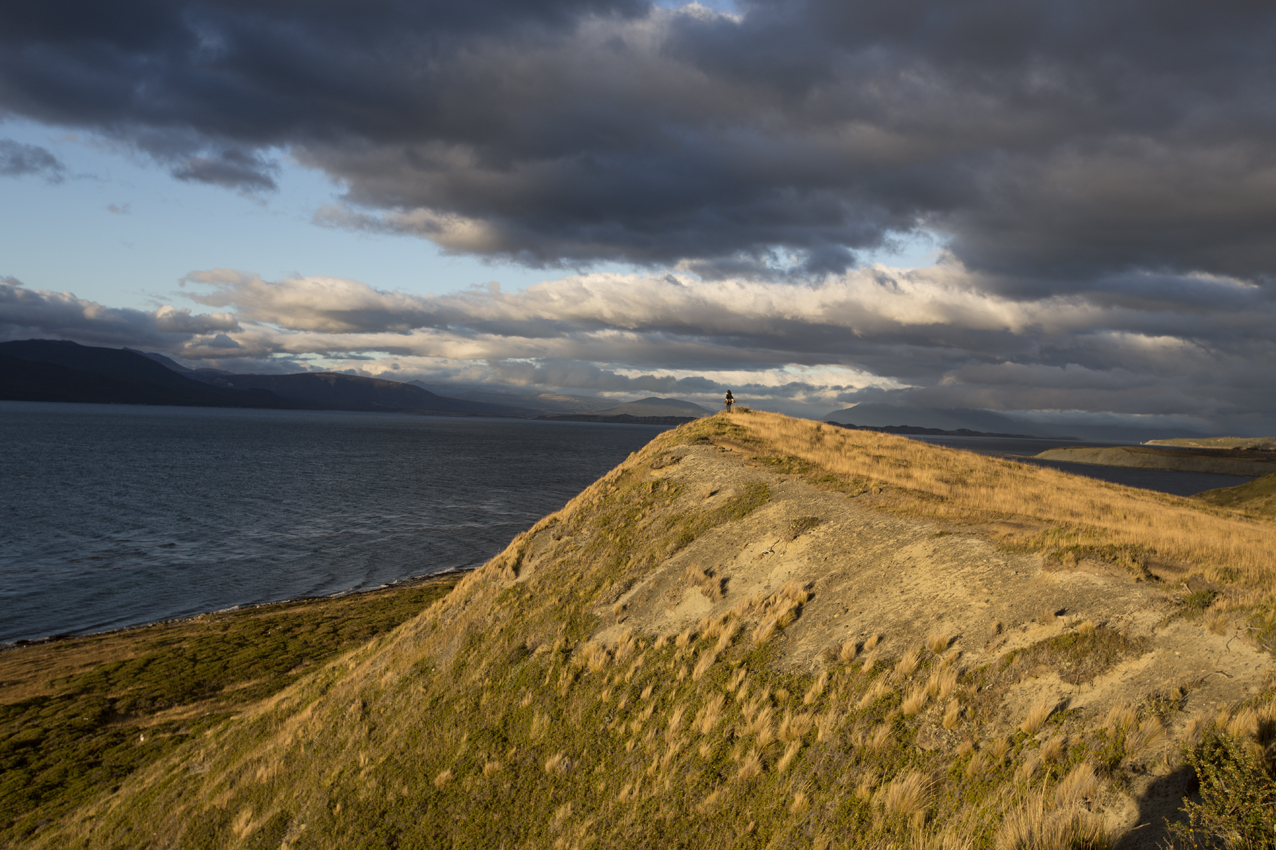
column 952, row 715
column 866, row 786
column 1038, row 715
column 750, row 766
column 794, row 726
column 997, row 749
column 443, row 777
column 1120, row 717
column 879, row 689
column 685, row 637
column 675, row 720
column 765, row 630
column 850, row 649
column 704, row 663
column 491, row 768
column 962, row 486
column 709, row 714
column 790, row 753
column 880, row 736
column 915, row 701
column 907, row 664
column 760, row 726
column 595, row 656
column 1079, row 786
column 942, row 683
column 826, row 726
column 1149, row 733
column 557, row 764
column 800, row 803
column 871, row 643
column 626, row 646
column 937, row 642
column 906, row 797
column 726, row 634
column 817, row 689
column 1037, row 825
column 1054, row 749
column 540, row 723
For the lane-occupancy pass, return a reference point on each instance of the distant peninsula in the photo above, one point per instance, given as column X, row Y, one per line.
column 910, row 430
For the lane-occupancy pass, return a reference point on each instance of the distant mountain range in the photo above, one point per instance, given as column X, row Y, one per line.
column 57, row 370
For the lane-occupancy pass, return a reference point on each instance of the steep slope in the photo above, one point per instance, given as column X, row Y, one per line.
column 764, row 632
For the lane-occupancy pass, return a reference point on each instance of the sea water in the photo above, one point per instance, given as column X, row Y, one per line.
column 116, row 515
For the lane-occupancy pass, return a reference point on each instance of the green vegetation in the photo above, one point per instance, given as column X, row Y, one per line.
column 1238, row 793
column 1077, row 656
column 1255, row 498
column 81, row 732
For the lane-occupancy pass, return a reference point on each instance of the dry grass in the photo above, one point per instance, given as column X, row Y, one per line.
column 1037, row 825
column 1037, row 716
column 879, row 689
column 907, row 665
column 816, row 690
column 942, row 683
column 849, row 650
column 949, row 484
column 1149, row 733
column 1078, row 786
column 915, row 701
column 1120, row 717
column 906, row 798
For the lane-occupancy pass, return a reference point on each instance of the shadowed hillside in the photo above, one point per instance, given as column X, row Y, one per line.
column 766, row 632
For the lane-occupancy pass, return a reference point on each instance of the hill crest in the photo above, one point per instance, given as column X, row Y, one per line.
column 732, row 637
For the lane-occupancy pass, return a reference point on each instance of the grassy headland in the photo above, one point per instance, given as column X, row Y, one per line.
column 78, row 716
column 765, row 632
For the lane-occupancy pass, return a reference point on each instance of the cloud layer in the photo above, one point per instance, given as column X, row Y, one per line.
column 930, row 337
column 1054, row 144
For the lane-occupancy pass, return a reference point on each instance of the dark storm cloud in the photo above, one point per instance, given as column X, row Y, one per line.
column 1053, row 143
column 18, row 159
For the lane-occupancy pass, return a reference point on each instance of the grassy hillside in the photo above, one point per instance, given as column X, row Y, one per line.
column 1268, row 443
column 1256, row 498
column 764, row 632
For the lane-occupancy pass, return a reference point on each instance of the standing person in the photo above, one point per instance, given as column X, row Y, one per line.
column 730, row 400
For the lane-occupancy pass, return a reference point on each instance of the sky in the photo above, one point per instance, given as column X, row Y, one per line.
column 1059, row 209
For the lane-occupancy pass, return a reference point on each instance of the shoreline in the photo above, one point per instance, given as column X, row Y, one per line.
column 401, row 584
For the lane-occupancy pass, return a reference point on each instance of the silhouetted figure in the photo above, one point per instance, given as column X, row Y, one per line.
column 730, row 400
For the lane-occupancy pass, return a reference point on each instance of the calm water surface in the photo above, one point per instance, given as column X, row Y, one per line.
column 118, row 515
